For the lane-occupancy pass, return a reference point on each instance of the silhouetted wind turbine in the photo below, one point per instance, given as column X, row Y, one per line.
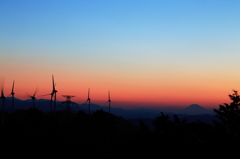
column 33, row 98
column 109, row 101
column 3, row 102
column 12, row 94
column 88, row 101
column 54, row 94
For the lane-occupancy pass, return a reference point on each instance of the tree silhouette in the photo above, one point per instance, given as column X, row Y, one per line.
column 229, row 115
column 162, row 124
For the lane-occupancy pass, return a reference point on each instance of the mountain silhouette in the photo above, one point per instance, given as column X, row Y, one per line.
column 194, row 109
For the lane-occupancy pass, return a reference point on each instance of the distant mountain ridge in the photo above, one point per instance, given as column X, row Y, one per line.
column 192, row 113
column 44, row 105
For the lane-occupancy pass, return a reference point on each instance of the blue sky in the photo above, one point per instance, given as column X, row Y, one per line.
column 136, row 44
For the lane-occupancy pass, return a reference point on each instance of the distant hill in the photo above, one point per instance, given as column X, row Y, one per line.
column 192, row 113
column 44, row 105
column 194, row 109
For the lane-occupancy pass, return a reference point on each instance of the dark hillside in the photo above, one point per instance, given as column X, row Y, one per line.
column 105, row 135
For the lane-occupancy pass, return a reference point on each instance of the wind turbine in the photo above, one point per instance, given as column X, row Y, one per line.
column 53, row 94
column 88, row 101
column 33, row 98
column 3, row 102
column 109, row 101
column 12, row 94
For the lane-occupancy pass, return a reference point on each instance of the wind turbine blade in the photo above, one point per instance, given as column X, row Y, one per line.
column 13, row 87
column 55, row 96
column 88, row 93
column 2, row 92
column 46, row 94
column 28, row 95
column 53, row 83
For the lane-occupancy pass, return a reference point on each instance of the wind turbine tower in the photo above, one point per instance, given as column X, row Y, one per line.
column 88, row 101
column 54, row 94
column 109, row 102
column 12, row 94
column 33, row 98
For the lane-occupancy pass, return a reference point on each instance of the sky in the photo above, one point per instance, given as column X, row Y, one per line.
column 146, row 53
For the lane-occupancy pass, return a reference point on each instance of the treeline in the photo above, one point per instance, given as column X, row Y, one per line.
column 100, row 134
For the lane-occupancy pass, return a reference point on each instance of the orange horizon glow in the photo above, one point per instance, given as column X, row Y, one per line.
column 122, row 95
column 145, row 56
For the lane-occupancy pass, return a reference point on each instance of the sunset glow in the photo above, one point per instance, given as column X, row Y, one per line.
column 147, row 54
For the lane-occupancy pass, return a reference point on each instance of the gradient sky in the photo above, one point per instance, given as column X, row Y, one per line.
column 147, row 53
